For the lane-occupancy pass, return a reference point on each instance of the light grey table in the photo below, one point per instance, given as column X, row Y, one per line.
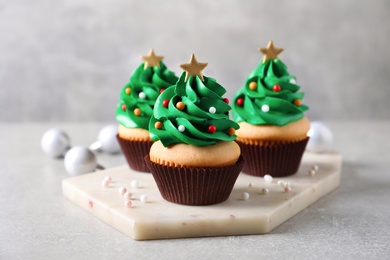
column 37, row 222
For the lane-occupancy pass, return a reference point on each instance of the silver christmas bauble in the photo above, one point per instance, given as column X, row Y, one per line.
column 107, row 138
column 55, row 142
column 321, row 137
column 80, row 160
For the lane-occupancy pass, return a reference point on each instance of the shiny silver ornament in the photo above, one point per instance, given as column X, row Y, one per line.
column 80, row 160
column 106, row 140
column 55, row 142
column 321, row 137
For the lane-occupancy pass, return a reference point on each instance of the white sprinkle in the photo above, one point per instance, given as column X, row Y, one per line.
column 245, row 195
column 122, row 191
column 105, row 183
column 265, row 108
column 134, row 184
column 315, row 167
column 265, row 191
column 143, row 198
column 293, row 81
column 142, row 95
column 181, row 128
column 107, row 178
column 250, row 185
column 281, row 183
column 212, row 110
column 287, row 189
column 127, row 203
column 287, row 184
column 312, row 172
column 127, row 195
column 268, row 178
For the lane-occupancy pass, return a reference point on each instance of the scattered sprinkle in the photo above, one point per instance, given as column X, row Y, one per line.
column 127, row 195
column 265, row 191
column 287, row 189
column 212, row 110
column 142, row 95
column 315, row 167
column 105, row 183
column 122, row 190
column 268, row 178
column 143, row 198
column 128, row 203
column 281, row 183
column 134, row 184
column 107, row 178
column 245, row 195
column 312, row 172
column 250, row 185
column 181, row 128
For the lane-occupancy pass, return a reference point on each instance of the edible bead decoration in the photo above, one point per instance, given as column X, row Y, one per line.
column 124, row 107
column 134, row 184
column 297, row 102
column 226, row 100
column 105, row 183
column 162, row 90
column 181, row 128
column 265, row 108
column 158, row 125
column 142, row 95
column 240, row 101
column 292, row 81
column 165, row 103
column 128, row 91
column 276, row 88
column 122, row 191
column 143, row 198
column 231, row 131
column 268, row 178
column 127, row 203
column 127, row 195
column 180, row 105
column 212, row 129
column 245, row 195
column 107, row 178
column 253, row 85
column 265, row 191
column 212, row 110
column 137, row 111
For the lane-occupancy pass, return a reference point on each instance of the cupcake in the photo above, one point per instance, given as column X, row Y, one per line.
column 194, row 160
column 273, row 128
column 135, row 108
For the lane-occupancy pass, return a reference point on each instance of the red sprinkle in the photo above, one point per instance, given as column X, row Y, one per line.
column 165, row 103
column 212, row 129
column 226, row 100
column 276, row 88
column 162, row 90
column 240, row 101
column 124, row 107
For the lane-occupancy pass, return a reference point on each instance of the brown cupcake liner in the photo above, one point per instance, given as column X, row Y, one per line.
column 277, row 160
column 135, row 152
column 195, row 186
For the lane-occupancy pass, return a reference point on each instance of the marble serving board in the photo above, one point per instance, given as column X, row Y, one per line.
column 239, row 215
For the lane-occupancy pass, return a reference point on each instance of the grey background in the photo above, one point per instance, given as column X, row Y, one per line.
column 68, row 60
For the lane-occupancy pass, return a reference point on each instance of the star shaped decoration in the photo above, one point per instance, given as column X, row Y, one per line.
column 152, row 59
column 270, row 53
column 194, row 68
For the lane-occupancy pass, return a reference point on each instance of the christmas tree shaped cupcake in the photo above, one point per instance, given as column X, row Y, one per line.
column 135, row 108
column 273, row 128
column 194, row 160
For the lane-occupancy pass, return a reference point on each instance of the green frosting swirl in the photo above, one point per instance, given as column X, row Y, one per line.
column 145, row 85
column 253, row 106
column 196, row 117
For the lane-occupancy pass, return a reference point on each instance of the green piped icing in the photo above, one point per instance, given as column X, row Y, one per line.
column 282, row 109
column 196, row 117
column 150, row 81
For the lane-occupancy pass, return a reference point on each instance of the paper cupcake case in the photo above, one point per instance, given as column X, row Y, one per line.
column 134, row 152
column 276, row 159
column 195, row 186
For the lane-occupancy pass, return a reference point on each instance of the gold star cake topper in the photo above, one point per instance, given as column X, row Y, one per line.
column 152, row 59
column 270, row 53
column 194, row 68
